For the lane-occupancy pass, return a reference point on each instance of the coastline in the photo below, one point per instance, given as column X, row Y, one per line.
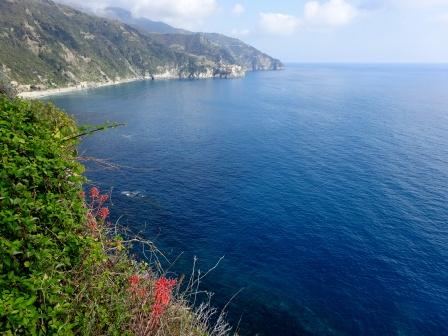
column 93, row 85
column 84, row 86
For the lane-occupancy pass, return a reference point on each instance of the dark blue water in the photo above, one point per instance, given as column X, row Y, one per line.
column 325, row 188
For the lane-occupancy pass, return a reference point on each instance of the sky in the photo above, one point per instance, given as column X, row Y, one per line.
column 348, row 31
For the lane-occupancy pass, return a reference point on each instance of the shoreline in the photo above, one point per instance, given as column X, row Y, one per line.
column 94, row 85
column 83, row 86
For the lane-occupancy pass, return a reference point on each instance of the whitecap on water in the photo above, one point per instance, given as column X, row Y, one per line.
column 132, row 194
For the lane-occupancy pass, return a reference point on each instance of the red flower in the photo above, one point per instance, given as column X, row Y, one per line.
column 142, row 292
column 94, row 192
column 103, row 213
column 134, row 280
column 162, row 297
column 156, row 313
column 104, row 198
column 164, row 288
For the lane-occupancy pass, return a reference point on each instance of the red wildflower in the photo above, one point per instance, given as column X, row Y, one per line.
column 142, row 292
column 162, row 297
column 157, row 311
column 103, row 213
column 134, row 279
column 135, row 289
column 94, row 192
column 104, row 198
column 82, row 194
column 164, row 288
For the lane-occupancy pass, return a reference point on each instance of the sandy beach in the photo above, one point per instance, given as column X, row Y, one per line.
column 79, row 87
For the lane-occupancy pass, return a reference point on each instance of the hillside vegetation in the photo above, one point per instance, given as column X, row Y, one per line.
column 212, row 45
column 48, row 45
column 51, row 45
column 64, row 269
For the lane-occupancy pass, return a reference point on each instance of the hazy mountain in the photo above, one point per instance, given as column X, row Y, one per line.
column 211, row 44
column 125, row 16
column 244, row 54
column 49, row 45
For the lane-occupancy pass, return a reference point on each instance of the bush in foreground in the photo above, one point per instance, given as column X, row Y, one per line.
column 64, row 269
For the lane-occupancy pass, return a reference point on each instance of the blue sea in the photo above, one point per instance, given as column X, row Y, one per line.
column 325, row 188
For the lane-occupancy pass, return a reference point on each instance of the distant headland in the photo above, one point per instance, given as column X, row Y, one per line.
column 49, row 48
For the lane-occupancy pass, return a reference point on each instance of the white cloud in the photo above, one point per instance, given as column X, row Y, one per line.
column 279, row 24
column 330, row 13
column 423, row 3
column 442, row 18
column 238, row 9
column 178, row 12
column 240, row 32
column 404, row 4
column 182, row 13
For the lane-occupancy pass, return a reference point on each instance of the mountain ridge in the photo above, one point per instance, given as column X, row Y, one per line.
column 151, row 26
column 236, row 50
column 47, row 45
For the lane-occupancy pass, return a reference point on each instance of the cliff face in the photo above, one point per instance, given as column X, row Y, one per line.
column 199, row 72
column 47, row 45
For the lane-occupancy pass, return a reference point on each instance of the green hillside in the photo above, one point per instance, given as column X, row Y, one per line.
column 47, row 45
column 212, row 45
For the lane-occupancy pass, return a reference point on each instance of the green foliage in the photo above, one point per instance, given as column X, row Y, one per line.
column 54, row 276
column 41, row 215
column 63, row 269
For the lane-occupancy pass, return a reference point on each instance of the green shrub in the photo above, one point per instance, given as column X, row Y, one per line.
column 55, row 276
column 41, row 216
column 64, row 269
